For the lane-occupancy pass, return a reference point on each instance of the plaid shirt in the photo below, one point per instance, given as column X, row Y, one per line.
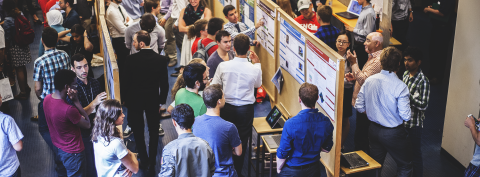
column 87, row 93
column 372, row 67
column 328, row 34
column 46, row 66
column 230, row 28
column 419, row 88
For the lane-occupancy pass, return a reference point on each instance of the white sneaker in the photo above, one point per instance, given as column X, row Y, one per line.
column 127, row 132
column 161, row 132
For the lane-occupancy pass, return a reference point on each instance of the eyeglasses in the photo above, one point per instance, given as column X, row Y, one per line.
column 342, row 42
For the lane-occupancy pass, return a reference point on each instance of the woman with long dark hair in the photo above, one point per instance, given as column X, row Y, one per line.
column 112, row 158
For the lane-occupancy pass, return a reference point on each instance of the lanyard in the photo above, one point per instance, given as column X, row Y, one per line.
column 91, row 92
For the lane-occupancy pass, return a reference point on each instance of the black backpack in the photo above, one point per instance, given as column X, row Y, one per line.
column 202, row 51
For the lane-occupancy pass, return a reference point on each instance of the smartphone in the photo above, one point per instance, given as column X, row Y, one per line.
column 477, row 122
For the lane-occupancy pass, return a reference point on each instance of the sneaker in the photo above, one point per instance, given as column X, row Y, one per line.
column 34, row 118
column 175, row 74
column 127, row 132
column 161, row 132
column 172, row 63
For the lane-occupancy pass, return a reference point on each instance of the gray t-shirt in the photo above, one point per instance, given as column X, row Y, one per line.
column 108, row 155
column 476, row 156
column 214, row 60
column 10, row 134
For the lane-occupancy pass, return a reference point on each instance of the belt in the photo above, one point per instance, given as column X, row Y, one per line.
column 304, row 166
column 384, row 126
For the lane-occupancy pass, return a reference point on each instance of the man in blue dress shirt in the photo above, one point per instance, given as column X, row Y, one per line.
column 303, row 137
column 386, row 99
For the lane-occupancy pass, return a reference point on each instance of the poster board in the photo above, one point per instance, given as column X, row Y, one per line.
column 247, row 14
column 287, row 99
column 268, row 62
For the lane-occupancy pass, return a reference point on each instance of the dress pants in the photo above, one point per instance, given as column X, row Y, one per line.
column 89, row 157
column 122, row 52
column 242, row 118
column 170, row 47
column 361, row 133
column 394, row 141
column 400, row 30
column 362, row 55
column 135, row 120
column 415, row 136
column 178, row 35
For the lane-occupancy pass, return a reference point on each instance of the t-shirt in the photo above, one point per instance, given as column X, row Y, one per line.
column 476, row 156
column 108, row 155
column 192, row 99
column 215, row 59
column 61, row 120
column 10, row 134
column 309, row 24
column 222, row 136
column 205, row 42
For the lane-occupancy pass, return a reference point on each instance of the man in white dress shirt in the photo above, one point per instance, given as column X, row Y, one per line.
column 239, row 78
column 117, row 21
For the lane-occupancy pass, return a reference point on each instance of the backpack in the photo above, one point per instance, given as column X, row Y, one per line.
column 202, row 51
column 24, row 34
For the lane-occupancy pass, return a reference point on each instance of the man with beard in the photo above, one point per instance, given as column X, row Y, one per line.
column 147, row 71
column 196, row 79
column 239, row 78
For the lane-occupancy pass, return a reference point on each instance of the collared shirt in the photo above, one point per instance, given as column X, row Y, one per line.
column 372, row 67
column 10, row 134
column 46, row 66
column 187, row 155
column 165, row 8
column 304, row 136
column 365, row 24
column 400, row 9
column 385, row 99
column 157, row 37
column 328, row 34
column 71, row 19
column 133, row 8
column 230, row 28
column 115, row 21
column 59, row 28
column 238, row 77
column 419, row 88
column 87, row 93
column 177, row 7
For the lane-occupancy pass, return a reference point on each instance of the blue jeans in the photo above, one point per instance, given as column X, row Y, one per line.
column 313, row 171
column 73, row 162
column 415, row 136
column 17, row 173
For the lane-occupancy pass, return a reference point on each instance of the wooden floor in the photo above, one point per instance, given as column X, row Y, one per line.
column 36, row 158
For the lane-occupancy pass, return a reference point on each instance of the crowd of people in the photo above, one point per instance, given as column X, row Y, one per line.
column 213, row 96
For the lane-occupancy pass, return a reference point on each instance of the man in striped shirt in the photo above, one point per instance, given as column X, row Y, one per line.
column 234, row 27
column 373, row 46
column 419, row 88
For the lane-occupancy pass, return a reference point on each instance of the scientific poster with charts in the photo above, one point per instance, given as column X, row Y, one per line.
column 266, row 33
column 322, row 72
column 247, row 14
column 292, row 51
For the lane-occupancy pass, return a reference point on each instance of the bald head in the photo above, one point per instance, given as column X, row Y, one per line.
column 374, row 42
column 376, row 36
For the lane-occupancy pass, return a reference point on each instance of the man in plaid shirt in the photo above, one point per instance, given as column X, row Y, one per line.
column 419, row 88
column 44, row 71
column 326, row 32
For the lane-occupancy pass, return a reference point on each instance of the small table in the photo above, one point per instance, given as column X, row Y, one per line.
column 372, row 165
column 262, row 127
column 271, row 151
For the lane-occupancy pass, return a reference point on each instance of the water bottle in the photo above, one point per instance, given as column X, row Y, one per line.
column 377, row 22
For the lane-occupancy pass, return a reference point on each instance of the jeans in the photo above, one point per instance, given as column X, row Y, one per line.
column 313, row 171
column 17, row 173
column 242, row 118
column 415, row 136
column 73, row 162
column 361, row 133
column 135, row 120
column 395, row 142
column 43, row 129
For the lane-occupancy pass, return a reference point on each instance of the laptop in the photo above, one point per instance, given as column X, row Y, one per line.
column 273, row 141
column 352, row 160
column 274, row 118
column 353, row 10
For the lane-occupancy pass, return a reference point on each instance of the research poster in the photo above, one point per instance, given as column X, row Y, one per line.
column 292, row 51
column 266, row 33
column 247, row 14
column 322, row 72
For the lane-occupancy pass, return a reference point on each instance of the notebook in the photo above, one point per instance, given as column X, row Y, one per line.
column 352, row 160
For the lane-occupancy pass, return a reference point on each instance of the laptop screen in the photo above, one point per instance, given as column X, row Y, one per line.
column 273, row 116
column 354, row 7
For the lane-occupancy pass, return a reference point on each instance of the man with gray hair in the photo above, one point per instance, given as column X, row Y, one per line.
column 373, row 46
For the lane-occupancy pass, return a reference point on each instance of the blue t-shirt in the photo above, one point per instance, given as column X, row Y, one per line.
column 222, row 136
column 304, row 136
column 10, row 134
column 476, row 156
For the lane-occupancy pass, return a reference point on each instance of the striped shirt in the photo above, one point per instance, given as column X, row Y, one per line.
column 419, row 88
column 230, row 28
column 46, row 66
column 372, row 67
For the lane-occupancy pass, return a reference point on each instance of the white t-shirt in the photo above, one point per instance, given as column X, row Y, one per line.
column 108, row 155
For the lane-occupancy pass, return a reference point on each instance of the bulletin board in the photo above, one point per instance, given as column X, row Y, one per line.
column 319, row 60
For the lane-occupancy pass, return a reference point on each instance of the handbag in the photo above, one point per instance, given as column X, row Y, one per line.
column 5, row 89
